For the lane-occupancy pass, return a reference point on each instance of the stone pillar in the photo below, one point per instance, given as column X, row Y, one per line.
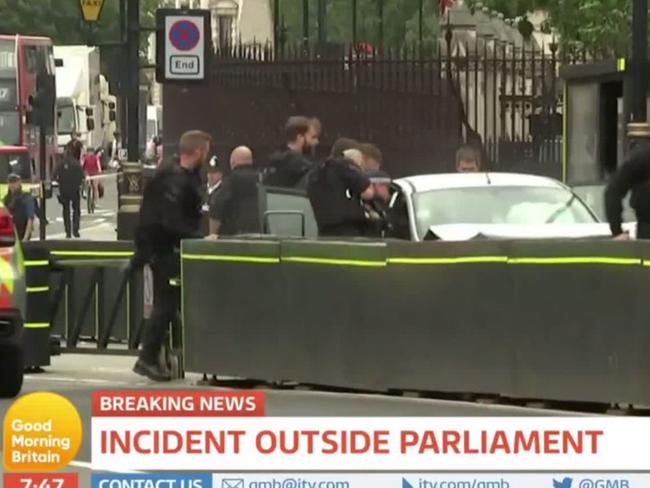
column 130, row 190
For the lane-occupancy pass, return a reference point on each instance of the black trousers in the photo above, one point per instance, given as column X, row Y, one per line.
column 166, row 300
column 74, row 202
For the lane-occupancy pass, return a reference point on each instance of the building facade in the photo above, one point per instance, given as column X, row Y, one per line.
column 236, row 21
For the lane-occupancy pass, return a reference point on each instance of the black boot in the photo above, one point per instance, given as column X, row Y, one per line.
column 153, row 371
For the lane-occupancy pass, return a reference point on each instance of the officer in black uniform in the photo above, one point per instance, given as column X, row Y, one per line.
column 379, row 221
column 336, row 189
column 288, row 166
column 633, row 175
column 235, row 207
column 215, row 178
column 170, row 211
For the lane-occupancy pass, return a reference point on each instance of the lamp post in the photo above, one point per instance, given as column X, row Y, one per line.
column 638, row 128
column 354, row 22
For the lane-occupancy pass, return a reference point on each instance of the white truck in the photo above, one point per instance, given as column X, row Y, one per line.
column 84, row 103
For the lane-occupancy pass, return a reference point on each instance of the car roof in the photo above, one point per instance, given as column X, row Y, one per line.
column 423, row 183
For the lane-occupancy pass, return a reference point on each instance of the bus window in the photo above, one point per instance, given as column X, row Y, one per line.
column 31, row 59
column 19, row 164
column 7, row 58
column 9, row 128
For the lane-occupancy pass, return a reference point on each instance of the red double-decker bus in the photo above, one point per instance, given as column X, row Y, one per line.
column 23, row 62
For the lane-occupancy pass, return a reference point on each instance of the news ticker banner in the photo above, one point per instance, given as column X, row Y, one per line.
column 215, row 431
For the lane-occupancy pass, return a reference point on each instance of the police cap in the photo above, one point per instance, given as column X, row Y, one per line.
column 380, row 177
column 214, row 166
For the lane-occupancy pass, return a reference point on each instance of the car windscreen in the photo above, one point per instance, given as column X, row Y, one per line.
column 66, row 120
column 519, row 205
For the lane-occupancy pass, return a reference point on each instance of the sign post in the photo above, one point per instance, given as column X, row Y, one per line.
column 182, row 45
column 91, row 9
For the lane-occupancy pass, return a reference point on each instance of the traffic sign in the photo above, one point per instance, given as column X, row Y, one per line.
column 91, row 9
column 182, row 44
column 184, row 35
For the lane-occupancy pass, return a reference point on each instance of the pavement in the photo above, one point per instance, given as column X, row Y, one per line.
column 75, row 376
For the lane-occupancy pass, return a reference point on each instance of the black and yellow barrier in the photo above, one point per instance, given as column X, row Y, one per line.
column 95, row 301
column 36, row 336
column 78, row 291
column 555, row 320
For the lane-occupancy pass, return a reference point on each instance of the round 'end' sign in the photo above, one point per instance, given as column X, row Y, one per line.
column 184, row 35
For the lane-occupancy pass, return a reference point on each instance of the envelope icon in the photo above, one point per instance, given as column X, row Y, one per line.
column 232, row 483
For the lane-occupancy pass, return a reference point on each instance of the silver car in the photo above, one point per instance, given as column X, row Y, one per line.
column 462, row 206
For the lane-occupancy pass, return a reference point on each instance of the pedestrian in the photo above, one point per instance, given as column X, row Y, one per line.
column 467, row 160
column 289, row 165
column 116, row 147
column 170, row 211
column 634, row 176
column 235, row 209
column 336, row 189
column 372, row 158
column 92, row 167
column 75, row 146
column 21, row 206
column 70, row 177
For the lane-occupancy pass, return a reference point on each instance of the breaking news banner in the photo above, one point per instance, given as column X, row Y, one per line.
column 228, row 432
column 41, row 434
column 225, row 439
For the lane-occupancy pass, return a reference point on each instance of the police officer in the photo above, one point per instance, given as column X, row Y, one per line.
column 633, row 175
column 235, row 208
column 336, row 189
column 170, row 211
column 70, row 177
column 288, row 166
column 379, row 222
column 215, row 177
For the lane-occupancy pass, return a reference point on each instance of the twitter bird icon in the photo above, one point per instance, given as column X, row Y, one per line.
column 565, row 483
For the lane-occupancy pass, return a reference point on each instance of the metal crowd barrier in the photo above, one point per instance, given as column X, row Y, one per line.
column 81, row 298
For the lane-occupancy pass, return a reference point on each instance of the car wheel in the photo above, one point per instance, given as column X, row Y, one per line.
column 12, row 368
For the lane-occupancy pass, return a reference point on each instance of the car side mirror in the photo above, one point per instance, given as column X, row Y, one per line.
column 112, row 115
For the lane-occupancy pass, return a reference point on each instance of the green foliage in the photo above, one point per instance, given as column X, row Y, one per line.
column 400, row 26
column 62, row 21
column 601, row 26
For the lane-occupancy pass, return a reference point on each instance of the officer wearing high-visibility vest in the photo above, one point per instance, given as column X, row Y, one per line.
column 170, row 212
